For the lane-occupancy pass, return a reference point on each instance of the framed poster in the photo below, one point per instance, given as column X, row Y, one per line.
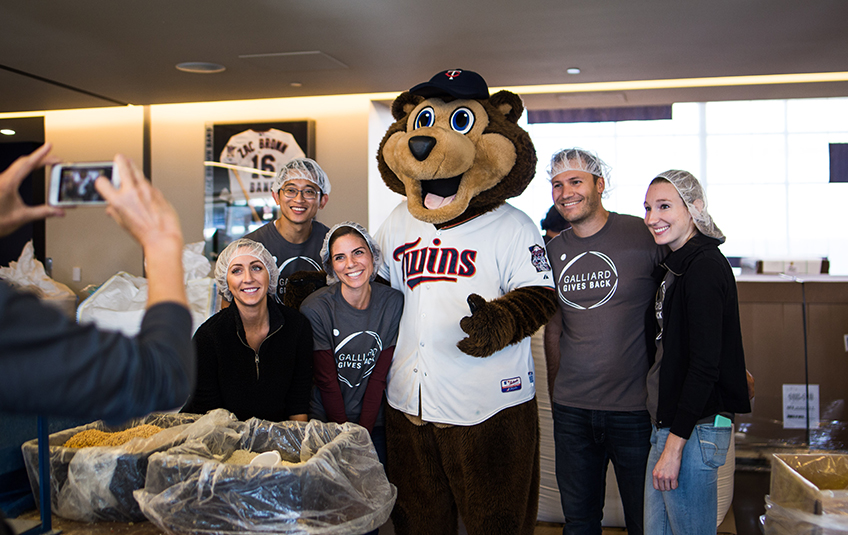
column 241, row 161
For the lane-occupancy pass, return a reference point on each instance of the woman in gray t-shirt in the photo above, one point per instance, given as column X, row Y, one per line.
column 355, row 325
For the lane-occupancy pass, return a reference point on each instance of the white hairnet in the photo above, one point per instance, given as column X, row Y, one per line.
column 325, row 250
column 576, row 159
column 692, row 193
column 303, row 169
column 244, row 246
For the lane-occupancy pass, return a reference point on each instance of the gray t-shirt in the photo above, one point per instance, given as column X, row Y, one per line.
column 653, row 381
column 355, row 337
column 604, row 288
column 291, row 257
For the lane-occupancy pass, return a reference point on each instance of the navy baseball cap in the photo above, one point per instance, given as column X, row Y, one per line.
column 457, row 83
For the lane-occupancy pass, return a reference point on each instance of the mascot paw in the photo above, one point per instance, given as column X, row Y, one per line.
column 300, row 284
column 490, row 327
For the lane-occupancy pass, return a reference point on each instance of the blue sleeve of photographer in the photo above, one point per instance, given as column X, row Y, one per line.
column 50, row 365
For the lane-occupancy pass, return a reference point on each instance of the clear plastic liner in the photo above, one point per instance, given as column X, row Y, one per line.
column 812, row 483
column 339, row 487
column 788, row 521
column 96, row 483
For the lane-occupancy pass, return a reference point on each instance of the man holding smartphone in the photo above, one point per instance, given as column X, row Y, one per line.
column 50, row 365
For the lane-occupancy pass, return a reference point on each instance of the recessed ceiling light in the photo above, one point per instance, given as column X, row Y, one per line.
column 200, row 67
column 572, row 70
column 7, row 132
column 296, row 84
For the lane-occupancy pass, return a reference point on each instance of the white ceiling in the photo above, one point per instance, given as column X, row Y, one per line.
column 92, row 53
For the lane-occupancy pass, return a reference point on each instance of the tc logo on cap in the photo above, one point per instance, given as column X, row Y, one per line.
column 457, row 83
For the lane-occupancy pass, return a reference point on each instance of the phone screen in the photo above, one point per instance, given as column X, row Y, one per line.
column 76, row 183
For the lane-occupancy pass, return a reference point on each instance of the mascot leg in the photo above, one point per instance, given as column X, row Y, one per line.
column 489, row 472
column 425, row 503
column 494, row 470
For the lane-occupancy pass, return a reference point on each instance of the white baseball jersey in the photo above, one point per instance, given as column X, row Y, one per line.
column 437, row 270
column 266, row 150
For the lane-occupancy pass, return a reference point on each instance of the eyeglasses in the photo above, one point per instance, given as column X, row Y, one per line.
column 291, row 193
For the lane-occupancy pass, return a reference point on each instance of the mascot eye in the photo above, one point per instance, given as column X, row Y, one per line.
column 462, row 120
column 425, row 118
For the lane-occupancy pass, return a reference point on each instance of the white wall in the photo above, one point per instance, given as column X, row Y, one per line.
column 381, row 200
column 86, row 237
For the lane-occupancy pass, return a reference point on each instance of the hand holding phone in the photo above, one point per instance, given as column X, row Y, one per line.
column 13, row 211
column 72, row 184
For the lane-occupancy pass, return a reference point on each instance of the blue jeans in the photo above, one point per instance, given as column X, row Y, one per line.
column 689, row 509
column 586, row 440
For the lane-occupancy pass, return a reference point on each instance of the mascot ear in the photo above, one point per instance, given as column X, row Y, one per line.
column 507, row 103
column 404, row 104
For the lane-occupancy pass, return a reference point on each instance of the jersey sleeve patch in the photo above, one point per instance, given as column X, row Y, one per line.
column 539, row 258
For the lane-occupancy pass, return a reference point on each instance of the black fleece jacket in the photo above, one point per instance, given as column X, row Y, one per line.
column 273, row 384
column 703, row 365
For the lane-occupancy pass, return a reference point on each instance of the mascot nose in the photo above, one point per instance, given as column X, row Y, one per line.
column 420, row 146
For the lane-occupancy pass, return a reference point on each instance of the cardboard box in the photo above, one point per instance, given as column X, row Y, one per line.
column 811, row 483
column 782, row 348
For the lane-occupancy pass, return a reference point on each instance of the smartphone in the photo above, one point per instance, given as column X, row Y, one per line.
column 72, row 184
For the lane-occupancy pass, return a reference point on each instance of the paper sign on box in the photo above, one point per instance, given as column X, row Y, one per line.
column 795, row 408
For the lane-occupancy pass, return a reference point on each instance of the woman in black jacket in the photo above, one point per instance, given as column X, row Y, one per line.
column 254, row 357
column 698, row 381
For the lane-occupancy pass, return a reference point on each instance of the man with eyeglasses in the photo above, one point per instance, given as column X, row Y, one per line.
column 300, row 188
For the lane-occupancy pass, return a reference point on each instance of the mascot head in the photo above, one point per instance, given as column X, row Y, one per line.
column 454, row 151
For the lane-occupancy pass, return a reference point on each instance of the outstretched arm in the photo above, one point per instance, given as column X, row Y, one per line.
column 84, row 371
column 144, row 212
column 495, row 324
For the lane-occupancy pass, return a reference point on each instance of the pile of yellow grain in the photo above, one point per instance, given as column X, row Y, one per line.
column 241, row 457
column 94, row 437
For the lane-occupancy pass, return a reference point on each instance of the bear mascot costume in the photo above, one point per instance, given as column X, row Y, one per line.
column 462, row 420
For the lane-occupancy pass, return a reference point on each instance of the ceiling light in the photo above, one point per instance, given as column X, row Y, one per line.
column 296, row 84
column 572, row 70
column 200, row 67
column 680, row 83
column 7, row 132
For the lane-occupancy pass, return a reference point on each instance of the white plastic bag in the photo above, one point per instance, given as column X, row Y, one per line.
column 119, row 304
column 28, row 275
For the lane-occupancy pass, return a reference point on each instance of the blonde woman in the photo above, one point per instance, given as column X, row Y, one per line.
column 254, row 357
column 698, row 382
